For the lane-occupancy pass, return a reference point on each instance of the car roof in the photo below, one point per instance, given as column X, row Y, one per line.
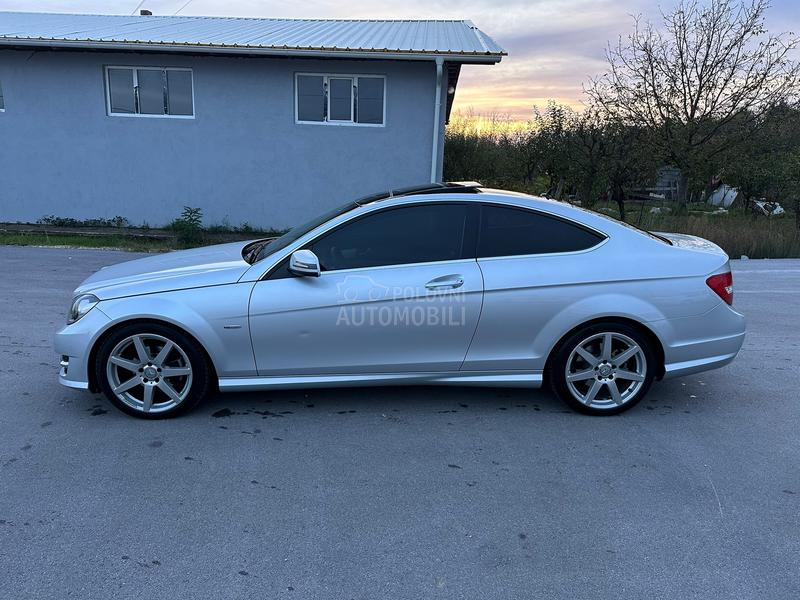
column 467, row 187
column 463, row 190
column 473, row 191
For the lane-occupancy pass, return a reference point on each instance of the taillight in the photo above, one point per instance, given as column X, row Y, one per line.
column 722, row 285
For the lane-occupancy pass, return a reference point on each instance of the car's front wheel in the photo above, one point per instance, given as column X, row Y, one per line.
column 152, row 371
column 603, row 369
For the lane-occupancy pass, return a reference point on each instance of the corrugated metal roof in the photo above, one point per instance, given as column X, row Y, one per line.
column 289, row 36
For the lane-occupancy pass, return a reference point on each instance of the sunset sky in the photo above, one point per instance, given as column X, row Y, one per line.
column 553, row 45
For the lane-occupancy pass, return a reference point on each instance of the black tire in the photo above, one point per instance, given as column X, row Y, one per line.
column 604, row 403
column 197, row 386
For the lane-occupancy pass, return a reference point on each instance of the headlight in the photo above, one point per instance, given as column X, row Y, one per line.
column 80, row 306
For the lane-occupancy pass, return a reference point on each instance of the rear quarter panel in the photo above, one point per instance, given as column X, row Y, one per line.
column 531, row 302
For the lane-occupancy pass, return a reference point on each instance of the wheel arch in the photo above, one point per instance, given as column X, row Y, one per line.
column 655, row 342
column 114, row 327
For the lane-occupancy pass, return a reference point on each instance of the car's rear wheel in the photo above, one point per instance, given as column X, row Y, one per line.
column 152, row 371
column 603, row 369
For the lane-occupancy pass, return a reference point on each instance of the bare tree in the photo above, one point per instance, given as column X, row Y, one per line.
column 712, row 66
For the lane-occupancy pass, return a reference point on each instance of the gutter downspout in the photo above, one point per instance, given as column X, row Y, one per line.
column 437, row 112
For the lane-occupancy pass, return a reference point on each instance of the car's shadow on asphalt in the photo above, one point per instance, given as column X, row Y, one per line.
column 664, row 397
column 385, row 401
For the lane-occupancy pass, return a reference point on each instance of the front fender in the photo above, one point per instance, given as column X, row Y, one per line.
column 215, row 316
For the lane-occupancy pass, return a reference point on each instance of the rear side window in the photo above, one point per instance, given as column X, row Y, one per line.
column 407, row 235
column 508, row 231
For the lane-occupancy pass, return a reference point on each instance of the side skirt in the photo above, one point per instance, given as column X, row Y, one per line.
column 472, row 378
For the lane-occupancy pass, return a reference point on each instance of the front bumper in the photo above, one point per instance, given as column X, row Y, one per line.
column 74, row 343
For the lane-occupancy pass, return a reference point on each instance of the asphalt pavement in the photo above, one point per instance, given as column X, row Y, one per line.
column 399, row 493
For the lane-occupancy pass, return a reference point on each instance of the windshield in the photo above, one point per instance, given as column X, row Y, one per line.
column 295, row 233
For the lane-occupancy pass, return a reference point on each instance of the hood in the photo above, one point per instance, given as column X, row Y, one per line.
column 184, row 269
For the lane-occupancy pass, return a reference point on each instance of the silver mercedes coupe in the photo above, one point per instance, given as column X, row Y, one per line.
column 438, row 284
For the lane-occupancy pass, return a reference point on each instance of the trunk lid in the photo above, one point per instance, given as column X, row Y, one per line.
column 691, row 242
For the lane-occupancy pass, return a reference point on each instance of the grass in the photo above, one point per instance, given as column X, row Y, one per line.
column 120, row 242
column 737, row 235
column 59, row 231
column 736, row 232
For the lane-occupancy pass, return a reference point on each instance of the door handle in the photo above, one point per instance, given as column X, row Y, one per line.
column 446, row 282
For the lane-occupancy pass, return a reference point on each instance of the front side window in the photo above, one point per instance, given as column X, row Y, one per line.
column 164, row 92
column 506, row 231
column 340, row 99
column 398, row 236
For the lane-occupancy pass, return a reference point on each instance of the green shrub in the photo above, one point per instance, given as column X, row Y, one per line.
column 189, row 226
column 55, row 221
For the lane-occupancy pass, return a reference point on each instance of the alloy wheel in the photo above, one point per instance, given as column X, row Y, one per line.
column 149, row 373
column 605, row 370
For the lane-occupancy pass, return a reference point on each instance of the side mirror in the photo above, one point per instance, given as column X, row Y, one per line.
column 304, row 263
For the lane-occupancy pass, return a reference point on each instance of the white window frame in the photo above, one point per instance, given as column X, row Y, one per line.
column 335, row 123
column 135, row 68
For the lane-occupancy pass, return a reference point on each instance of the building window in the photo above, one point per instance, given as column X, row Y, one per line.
column 149, row 92
column 340, row 99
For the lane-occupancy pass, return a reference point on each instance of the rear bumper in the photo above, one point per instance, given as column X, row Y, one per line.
column 74, row 342
column 697, row 366
column 701, row 343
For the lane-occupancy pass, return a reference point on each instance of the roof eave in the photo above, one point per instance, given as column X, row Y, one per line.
column 461, row 57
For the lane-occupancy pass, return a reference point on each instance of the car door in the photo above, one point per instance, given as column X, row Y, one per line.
column 399, row 291
column 534, row 266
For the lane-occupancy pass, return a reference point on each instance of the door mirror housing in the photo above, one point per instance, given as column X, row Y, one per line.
column 304, row 263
